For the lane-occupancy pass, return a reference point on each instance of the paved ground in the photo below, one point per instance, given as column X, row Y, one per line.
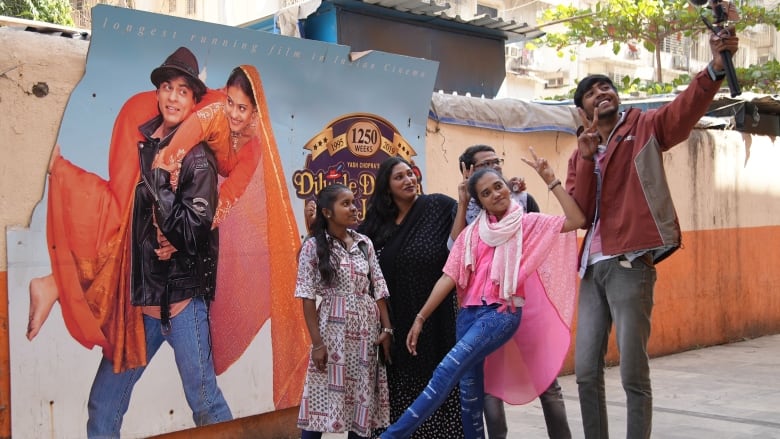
column 723, row 392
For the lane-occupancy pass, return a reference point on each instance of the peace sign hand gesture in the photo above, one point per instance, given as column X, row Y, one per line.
column 588, row 139
column 574, row 216
column 541, row 166
column 463, row 188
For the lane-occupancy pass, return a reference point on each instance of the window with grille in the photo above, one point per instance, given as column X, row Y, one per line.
column 191, row 7
column 171, row 5
column 700, row 47
column 554, row 82
column 674, row 44
column 763, row 35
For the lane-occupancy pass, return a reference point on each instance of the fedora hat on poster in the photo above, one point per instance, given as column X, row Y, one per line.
column 182, row 60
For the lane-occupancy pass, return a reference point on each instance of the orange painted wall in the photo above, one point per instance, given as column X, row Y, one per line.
column 719, row 288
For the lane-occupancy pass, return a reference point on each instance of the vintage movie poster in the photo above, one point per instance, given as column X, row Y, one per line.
column 313, row 114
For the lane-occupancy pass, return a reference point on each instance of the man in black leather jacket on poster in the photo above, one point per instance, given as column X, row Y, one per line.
column 173, row 257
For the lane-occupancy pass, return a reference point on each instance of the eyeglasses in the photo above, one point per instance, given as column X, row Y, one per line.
column 491, row 163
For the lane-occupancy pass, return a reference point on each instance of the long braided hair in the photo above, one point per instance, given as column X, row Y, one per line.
column 325, row 200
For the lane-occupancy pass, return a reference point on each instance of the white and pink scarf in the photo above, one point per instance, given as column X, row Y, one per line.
column 506, row 236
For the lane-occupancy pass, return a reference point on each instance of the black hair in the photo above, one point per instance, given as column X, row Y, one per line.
column 587, row 83
column 239, row 79
column 475, row 177
column 467, row 158
column 379, row 222
column 325, row 200
column 169, row 74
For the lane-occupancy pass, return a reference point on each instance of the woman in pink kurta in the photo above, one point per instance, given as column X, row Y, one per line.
column 495, row 266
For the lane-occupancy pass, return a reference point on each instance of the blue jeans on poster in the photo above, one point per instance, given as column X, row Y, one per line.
column 480, row 331
column 189, row 338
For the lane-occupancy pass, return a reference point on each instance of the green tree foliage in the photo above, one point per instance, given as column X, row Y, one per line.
column 764, row 78
column 648, row 22
column 50, row 11
column 634, row 86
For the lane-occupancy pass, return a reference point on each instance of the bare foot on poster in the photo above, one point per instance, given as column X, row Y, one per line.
column 43, row 294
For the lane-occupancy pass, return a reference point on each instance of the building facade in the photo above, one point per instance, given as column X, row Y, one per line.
column 532, row 71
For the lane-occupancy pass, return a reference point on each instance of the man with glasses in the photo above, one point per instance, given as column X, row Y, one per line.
column 483, row 156
column 474, row 158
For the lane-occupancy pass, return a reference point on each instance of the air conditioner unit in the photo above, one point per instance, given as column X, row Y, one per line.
column 555, row 82
column 517, row 64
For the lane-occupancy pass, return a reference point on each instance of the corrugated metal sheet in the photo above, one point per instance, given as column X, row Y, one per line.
column 414, row 6
column 510, row 29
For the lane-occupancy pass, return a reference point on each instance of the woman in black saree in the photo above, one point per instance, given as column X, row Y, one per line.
column 410, row 233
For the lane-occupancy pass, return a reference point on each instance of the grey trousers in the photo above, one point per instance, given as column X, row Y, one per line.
column 552, row 405
column 615, row 290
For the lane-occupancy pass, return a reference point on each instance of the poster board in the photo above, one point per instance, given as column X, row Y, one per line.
column 311, row 88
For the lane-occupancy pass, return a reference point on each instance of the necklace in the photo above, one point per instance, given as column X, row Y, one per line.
column 234, row 135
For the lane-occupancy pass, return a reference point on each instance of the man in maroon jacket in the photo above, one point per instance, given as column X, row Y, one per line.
column 616, row 175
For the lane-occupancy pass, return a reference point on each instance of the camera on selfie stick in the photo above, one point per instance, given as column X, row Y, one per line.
column 720, row 12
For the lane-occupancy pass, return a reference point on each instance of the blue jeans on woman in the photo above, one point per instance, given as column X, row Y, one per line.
column 189, row 338
column 480, row 331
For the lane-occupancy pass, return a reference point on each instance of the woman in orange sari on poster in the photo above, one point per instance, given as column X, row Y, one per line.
column 87, row 223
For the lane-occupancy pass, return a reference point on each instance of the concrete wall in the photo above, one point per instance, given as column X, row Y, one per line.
column 718, row 288
column 37, row 74
column 31, row 64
